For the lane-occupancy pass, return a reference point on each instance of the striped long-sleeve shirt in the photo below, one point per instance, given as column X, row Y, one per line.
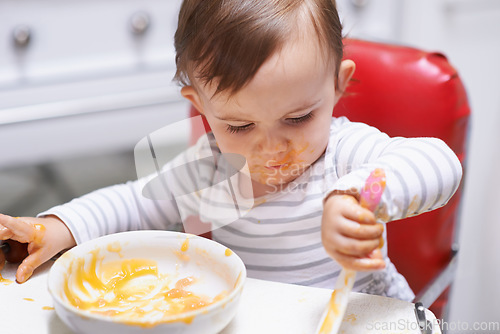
column 278, row 236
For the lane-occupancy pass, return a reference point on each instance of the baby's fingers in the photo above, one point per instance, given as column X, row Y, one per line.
column 359, row 264
column 5, row 233
column 359, row 214
column 353, row 247
column 29, row 264
column 358, row 231
column 16, row 229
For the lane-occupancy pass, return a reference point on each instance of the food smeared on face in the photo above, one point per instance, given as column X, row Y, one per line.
column 132, row 291
column 282, row 169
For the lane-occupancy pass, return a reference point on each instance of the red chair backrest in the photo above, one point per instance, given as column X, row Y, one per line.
column 408, row 92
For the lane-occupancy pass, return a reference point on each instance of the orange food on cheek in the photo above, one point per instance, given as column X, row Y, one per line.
column 295, row 153
column 294, row 163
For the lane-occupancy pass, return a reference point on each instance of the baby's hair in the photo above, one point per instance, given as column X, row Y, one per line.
column 226, row 41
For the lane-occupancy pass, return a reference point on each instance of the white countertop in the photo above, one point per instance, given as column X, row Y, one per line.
column 266, row 307
column 88, row 118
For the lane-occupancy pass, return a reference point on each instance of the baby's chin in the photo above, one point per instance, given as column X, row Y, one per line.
column 275, row 182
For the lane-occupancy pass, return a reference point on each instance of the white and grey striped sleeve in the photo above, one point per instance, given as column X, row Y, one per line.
column 421, row 173
column 134, row 205
column 114, row 209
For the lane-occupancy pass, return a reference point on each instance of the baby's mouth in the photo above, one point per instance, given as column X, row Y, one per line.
column 277, row 165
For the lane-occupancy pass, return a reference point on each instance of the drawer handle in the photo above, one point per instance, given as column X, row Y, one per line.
column 359, row 3
column 140, row 22
column 21, row 35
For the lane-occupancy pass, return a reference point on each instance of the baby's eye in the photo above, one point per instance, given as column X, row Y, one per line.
column 238, row 129
column 301, row 119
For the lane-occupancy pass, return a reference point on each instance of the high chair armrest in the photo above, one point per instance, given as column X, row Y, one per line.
column 430, row 293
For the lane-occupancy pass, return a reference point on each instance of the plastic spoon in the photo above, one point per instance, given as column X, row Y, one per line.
column 332, row 317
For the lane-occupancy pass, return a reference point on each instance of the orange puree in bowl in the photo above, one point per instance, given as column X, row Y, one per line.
column 131, row 291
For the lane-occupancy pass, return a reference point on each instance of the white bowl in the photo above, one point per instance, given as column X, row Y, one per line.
column 215, row 268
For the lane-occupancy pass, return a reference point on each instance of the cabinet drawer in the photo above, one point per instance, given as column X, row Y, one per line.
column 72, row 39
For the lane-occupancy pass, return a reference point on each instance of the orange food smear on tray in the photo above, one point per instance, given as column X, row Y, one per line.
column 5, row 281
column 351, row 318
column 131, row 291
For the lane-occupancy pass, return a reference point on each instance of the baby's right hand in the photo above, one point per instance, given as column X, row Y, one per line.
column 45, row 238
column 351, row 234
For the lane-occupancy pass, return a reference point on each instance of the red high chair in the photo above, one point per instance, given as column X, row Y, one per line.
column 408, row 92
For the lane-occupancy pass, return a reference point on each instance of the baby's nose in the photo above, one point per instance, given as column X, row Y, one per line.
column 273, row 144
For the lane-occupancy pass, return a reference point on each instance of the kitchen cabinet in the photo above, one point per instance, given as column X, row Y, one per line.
column 85, row 77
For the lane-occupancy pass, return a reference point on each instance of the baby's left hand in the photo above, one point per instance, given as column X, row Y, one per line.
column 45, row 237
column 350, row 234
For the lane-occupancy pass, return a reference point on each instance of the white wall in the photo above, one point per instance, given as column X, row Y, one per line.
column 467, row 31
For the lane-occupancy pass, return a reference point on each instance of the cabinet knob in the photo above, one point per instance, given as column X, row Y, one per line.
column 140, row 22
column 21, row 35
column 359, row 3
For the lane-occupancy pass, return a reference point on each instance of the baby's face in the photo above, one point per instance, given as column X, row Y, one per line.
column 280, row 121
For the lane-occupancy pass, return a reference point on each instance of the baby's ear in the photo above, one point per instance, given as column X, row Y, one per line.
column 190, row 93
column 346, row 70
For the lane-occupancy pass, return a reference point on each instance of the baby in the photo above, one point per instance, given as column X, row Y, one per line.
column 266, row 75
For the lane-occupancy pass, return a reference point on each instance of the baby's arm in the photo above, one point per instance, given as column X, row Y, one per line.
column 124, row 207
column 45, row 238
column 421, row 173
column 114, row 209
